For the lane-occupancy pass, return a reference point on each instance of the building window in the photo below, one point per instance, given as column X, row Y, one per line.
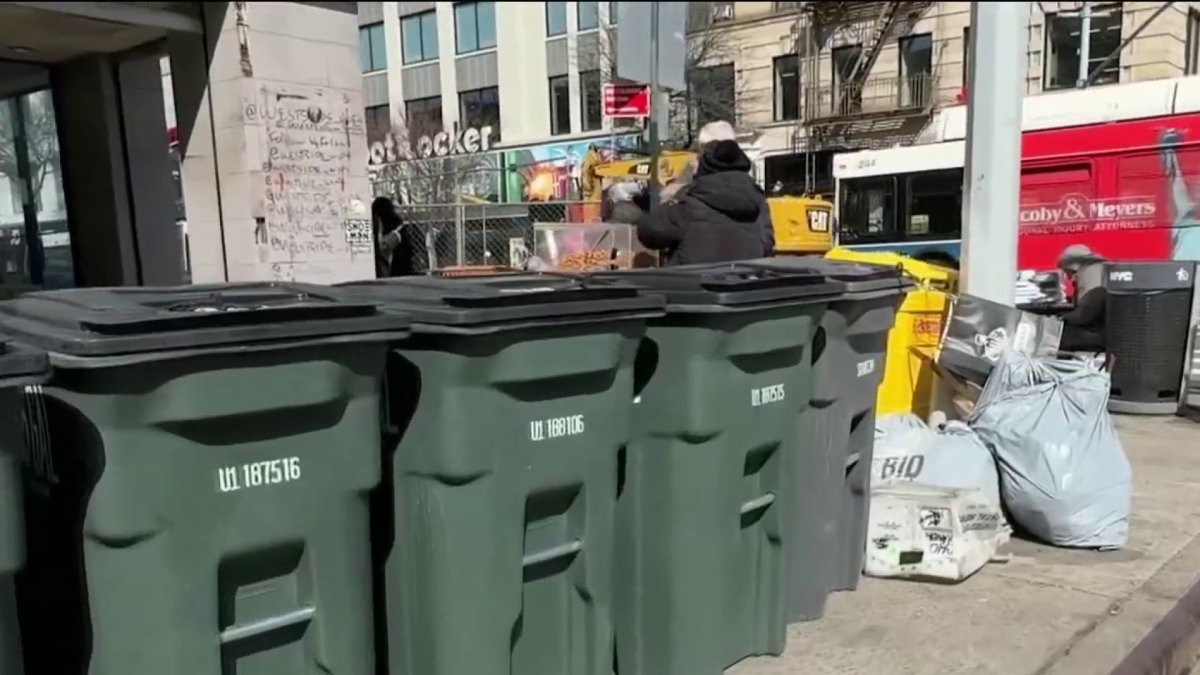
column 379, row 123
column 916, row 69
column 418, row 35
column 787, row 87
column 843, row 61
column 800, row 173
column 556, row 18
column 1191, row 62
column 587, row 15
column 560, row 105
column 32, row 202
column 1064, row 41
column 480, row 108
column 966, row 56
column 786, row 6
column 590, row 95
column 722, row 11
column 475, row 26
column 424, row 116
column 372, row 48
column 712, row 94
column 847, row 97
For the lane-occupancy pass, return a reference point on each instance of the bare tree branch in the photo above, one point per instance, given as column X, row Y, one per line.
column 714, row 90
column 435, row 180
column 41, row 143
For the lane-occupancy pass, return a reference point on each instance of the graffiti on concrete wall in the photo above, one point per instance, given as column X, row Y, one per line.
column 308, row 226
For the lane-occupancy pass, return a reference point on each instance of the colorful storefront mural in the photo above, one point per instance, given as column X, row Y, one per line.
column 551, row 172
column 539, row 173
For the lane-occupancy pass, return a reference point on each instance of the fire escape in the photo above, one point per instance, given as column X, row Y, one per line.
column 848, row 101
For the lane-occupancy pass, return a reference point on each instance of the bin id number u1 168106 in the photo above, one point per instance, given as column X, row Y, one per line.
column 555, row 427
column 258, row 474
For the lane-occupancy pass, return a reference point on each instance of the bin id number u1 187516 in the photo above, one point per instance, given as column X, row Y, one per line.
column 258, row 474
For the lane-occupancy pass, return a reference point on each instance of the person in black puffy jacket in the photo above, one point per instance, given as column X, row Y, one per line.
column 720, row 216
column 393, row 241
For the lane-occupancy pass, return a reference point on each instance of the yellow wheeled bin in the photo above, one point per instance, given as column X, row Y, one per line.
column 909, row 378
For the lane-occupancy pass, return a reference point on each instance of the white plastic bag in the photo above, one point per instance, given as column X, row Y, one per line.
column 950, row 456
column 920, row 531
column 1063, row 473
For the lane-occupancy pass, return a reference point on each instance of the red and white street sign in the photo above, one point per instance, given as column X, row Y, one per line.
column 626, row 100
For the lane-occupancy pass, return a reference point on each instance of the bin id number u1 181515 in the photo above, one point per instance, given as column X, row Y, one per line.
column 258, row 474
column 765, row 395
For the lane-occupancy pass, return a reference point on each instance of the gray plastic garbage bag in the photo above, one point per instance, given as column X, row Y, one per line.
column 949, row 456
column 1063, row 473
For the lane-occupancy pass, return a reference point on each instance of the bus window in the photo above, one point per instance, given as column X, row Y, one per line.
column 935, row 204
column 868, row 209
column 1048, row 184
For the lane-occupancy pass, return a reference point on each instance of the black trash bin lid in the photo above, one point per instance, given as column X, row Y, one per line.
column 503, row 298
column 730, row 285
column 112, row 321
column 857, row 277
column 21, row 363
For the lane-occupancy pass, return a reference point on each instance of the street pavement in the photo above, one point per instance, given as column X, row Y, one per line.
column 1046, row 612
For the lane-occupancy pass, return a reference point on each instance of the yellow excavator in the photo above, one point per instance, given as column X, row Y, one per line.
column 803, row 225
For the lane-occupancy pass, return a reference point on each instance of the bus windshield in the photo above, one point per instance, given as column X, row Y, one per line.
column 900, row 207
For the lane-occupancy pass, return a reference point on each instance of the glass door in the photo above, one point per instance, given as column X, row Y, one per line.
column 35, row 242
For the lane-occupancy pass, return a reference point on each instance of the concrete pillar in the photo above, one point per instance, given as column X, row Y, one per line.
column 448, row 68
column 573, row 84
column 89, row 126
column 148, row 163
column 273, row 140
column 190, row 57
column 117, row 175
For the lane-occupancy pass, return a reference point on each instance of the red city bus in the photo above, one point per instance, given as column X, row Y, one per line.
column 1115, row 168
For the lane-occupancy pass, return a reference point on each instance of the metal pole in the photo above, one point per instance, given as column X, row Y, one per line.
column 460, row 234
column 655, row 106
column 1085, row 44
column 991, row 174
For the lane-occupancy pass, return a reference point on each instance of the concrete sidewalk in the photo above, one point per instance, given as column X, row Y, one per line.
column 1048, row 611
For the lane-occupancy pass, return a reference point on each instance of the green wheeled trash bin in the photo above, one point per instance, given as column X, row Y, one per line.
column 848, row 364
column 202, row 460
column 507, row 409
column 702, row 512
column 20, row 367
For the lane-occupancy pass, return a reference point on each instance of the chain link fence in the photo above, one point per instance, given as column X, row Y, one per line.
column 457, row 235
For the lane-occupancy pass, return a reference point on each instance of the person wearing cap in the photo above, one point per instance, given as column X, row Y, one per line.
column 709, row 133
column 719, row 214
column 1083, row 326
